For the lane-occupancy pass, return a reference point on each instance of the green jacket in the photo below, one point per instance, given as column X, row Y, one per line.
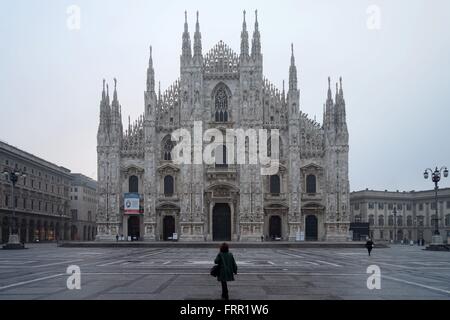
column 227, row 267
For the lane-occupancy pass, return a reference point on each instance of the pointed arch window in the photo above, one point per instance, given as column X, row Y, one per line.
column 221, row 105
column 274, row 154
column 133, row 184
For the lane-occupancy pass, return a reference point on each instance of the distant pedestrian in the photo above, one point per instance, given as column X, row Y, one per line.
column 369, row 245
column 117, row 237
column 227, row 268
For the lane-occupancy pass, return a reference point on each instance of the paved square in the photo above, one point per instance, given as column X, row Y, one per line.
column 407, row 272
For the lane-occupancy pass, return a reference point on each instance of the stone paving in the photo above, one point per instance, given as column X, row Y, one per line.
column 407, row 272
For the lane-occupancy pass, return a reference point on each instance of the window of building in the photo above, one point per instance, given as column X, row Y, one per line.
column 74, row 214
column 133, row 184
column 447, row 220
column 168, row 185
column 310, row 183
column 390, row 206
column 76, row 189
column 24, row 203
column 16, row 200
column 380, row 205
column 75, row 198
column 6, row 201
column 39, row 185
column 400, row 206
column 221, row 105
column 433, row 220
column 399, row 221
column 420, row 206
column 89, row 216
column 391, row 220
column 381, row 234
column 356, row 206
column 408, row 206
column 167, row 147
column 381, row 220
column 409, row 221
column 420, row 221
column 391, row 235
column 39, row 206
column 46, row 207
column 448, row 204
column 433, row 205
column 371, row 220
column 32, row 204
column 371, row 205
column 275, row 184
column 32, row 183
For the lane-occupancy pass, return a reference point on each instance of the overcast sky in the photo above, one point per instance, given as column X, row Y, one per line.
column 394, row 57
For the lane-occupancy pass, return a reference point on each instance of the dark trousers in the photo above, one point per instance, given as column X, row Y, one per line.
column 224, row 290
column 369, row 249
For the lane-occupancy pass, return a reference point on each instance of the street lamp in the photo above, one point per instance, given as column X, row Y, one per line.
column 395, row 223
column 436, row 177
column 13, row 240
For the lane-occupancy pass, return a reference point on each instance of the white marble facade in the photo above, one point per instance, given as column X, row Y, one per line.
column 232, row 202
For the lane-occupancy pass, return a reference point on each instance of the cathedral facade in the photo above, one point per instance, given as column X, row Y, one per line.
column 306, row 199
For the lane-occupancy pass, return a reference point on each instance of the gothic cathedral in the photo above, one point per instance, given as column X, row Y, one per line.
column 307, row 199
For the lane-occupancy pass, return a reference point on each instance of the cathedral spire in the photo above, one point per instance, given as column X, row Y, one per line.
column 256, row 41
column 197, row 41
column 329, row 98
column 103, row 91
column 115, row 91
column 186, row 48
column 150, row 74
column 341, row 92
column 107, row 95
column 244, row 39
column 292, row 72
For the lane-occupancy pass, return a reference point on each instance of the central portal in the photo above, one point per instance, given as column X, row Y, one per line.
column 133, row 227
column 168, row 227
column 221, row 222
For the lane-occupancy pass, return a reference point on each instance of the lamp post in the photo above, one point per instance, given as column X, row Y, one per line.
column 436, row 177
column 13, row 241
column 395, row 223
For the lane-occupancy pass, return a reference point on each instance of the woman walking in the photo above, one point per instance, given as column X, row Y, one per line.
column 227, row 268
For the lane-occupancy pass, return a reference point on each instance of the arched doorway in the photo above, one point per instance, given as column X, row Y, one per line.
column 133, row 227
column 221, row 222
column 168, row 227
column 311, row 228
column 74, row 233
column 5, row 230
column 275, row 227
column 23, row 231
column 31, row 231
